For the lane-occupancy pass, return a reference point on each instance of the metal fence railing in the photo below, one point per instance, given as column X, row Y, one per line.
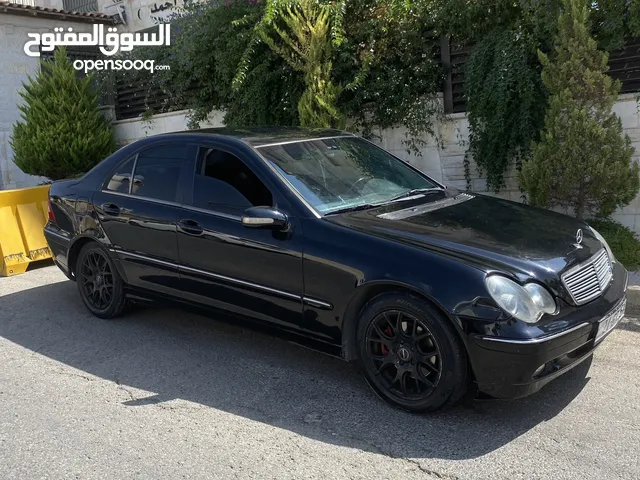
column 624, row 65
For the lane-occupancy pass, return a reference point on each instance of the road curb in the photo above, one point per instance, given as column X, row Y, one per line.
column 633, row 299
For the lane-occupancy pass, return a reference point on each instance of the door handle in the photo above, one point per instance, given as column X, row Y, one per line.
column 111, row 209
column 190, row 227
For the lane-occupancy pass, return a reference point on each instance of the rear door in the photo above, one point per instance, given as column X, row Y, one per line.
column 250, row 271
column 138, row 207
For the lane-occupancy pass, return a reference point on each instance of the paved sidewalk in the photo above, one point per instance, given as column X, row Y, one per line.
column 634, row 278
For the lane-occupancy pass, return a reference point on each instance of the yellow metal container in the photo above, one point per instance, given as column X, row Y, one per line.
column 23, row 215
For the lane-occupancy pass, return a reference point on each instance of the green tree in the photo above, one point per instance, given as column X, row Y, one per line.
column 61, row 132
column 583, row 160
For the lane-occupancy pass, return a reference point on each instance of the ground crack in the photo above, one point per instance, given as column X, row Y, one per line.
column 445, row 476
column 378, row 449
column 122, row 387
column 78, row 375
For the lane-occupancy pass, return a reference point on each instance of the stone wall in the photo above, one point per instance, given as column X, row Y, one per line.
column 15, row 65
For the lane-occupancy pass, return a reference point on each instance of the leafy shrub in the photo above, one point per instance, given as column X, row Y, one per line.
column 389, row 64
column 61, row 133
column 208, row 41
column 624, row 244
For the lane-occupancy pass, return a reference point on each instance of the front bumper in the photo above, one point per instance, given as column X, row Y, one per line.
column 508, row 367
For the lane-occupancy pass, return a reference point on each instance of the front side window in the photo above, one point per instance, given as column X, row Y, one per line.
column 344, row 172
column 157, row 171
column 223, row 182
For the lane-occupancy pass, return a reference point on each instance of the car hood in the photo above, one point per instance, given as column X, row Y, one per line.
column 489, row 232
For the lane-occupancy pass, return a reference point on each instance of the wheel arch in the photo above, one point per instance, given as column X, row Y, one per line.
column 367, row 292
column 74, row 251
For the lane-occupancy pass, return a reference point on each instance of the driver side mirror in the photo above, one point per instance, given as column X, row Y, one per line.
column 265, row 217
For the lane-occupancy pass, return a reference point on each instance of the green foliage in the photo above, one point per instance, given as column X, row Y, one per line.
column 385, row 59
column 468, row 21
column 61, row 133
column 303, row 33
column 623, row 242
column 207, row 46
column 389, row 65
column 505, row 102
column 583, row 160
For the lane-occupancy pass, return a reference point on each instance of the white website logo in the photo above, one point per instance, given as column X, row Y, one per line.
column 123, row 42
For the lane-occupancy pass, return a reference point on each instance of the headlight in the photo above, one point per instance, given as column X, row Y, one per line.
column 604, row 242
column 526, row 303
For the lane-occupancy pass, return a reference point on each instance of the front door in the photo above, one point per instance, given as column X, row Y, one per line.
column 138, row 208
column 249, row 271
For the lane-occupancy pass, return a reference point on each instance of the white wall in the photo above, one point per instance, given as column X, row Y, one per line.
column 15, row 65
column 127, row 131
column 141, row 14
column 441, row 160
column 445, row 162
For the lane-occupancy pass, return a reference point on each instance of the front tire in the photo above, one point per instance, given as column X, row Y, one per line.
column 410, row 354
column 101, row 287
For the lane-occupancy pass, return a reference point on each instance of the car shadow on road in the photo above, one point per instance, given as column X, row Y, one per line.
column 171, row 355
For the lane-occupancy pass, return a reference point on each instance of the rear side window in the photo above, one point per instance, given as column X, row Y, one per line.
column 120, row 181
column 157, row 171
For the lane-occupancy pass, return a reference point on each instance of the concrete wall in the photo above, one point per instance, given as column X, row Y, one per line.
column 129, row 130
column 15, row 65
column 442, row 159
column 142, row 14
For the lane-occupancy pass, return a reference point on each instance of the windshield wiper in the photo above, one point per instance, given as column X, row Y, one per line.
column 413, row 192
column 354, row 208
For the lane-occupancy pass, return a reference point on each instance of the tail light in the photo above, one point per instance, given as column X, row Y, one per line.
column 52, row 217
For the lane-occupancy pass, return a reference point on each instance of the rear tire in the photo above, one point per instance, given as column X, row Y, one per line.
column 99, row 283
column 410, row 354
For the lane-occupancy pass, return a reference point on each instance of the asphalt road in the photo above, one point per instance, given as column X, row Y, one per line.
column 162, row 394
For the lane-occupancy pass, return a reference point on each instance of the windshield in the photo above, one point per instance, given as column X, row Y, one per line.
column 345, row 172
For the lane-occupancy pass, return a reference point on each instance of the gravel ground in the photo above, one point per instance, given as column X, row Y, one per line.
column 166, row 394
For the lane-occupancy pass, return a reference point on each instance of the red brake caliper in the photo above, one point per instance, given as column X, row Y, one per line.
column 385, row 350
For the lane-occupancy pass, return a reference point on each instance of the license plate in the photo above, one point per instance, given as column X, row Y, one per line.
column 610, row 320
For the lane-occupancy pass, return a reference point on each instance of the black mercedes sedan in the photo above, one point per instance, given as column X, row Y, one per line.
column 341, row 246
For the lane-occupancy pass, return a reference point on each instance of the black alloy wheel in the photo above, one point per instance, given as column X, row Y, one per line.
column 404, row 353
column 411, row 355
column 97, row 280
column 100, row 285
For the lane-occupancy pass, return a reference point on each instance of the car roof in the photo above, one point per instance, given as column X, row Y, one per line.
column 262, row 136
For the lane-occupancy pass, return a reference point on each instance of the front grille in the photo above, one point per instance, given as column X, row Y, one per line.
column 588, row 280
